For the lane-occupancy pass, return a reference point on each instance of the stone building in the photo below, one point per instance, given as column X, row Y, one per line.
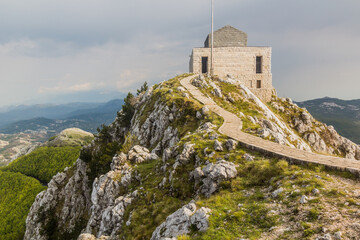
column 232, row 57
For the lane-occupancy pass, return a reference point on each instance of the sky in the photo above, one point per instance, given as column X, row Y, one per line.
column 60, row 49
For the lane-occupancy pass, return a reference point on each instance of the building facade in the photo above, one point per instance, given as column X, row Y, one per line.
column 232, row 57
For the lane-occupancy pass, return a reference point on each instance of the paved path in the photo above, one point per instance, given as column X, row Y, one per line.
column 231, row 128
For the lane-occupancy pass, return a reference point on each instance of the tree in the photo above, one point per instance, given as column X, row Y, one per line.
column 128, row 110
column 143, row 88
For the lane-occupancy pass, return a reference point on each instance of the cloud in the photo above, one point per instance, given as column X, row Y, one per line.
column 73, row 46
column 65, row 89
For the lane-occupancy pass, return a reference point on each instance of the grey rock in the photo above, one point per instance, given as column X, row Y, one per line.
column 213, row 174
column 118, row 161
column 338, row 235
column 248, row 157
column 231, row 144
column 198, row 115
column 315, row 191
column 263, row 133
column 138, row 154
column 207, row 126
column 180, row 222
column 205, row 110
column 324, row 237
column 218, row 93
column 252, row 119
column 218, row 146
column 303, row 199
column 213, row 136
column 269, row 125
column 74, row 194
column 276, row 193
column 200, row 219
column 180, row 89
column 186, row 154
column 88, row 236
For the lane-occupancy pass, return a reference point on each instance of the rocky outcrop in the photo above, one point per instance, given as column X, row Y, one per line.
column 108, row 205
column 319, row 136
column 212, row 175
column 65, row 202
column 181, row 221
column 155, row 129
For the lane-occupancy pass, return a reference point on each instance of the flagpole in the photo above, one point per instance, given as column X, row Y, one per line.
column 212, row 38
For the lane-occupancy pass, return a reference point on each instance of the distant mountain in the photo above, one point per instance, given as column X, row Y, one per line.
column 53, row 119
column 344, row 115
column 24, row 112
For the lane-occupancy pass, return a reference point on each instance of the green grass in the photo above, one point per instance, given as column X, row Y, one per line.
column 17, row 193
column 44, row 162
column 153, row 205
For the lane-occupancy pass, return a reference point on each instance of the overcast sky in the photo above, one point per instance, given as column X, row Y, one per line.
column 69, row 47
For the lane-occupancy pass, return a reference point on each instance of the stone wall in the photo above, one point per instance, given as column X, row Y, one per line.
column 240, row 64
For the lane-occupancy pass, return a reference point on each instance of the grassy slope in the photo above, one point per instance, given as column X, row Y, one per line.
column 19, row 182
column 259, row 216
column 44, row 162
column 17, row 193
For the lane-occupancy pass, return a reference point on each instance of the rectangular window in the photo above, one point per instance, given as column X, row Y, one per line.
column 250, row 84
column 204, row 64
column 258, row 64
column 258, row 84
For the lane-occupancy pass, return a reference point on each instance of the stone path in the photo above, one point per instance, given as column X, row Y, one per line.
column 231, row 128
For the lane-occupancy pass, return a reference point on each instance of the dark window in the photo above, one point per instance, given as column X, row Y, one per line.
column 258, row 83
column 204, row 64
column 259, row 64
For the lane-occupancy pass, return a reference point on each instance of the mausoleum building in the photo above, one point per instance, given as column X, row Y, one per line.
column 232, row 58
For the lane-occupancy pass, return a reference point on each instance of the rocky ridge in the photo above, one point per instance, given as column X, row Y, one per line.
column 171, row 172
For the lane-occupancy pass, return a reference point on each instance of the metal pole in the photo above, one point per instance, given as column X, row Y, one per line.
column 212, row 38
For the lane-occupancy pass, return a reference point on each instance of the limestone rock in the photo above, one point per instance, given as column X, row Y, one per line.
column 200, row 219
column 218, row 146
column 72, row 191
column 138, row 154
column 249, row 157
column 324, row 237
column 180, row 222
column 88, row 236
column 205, row 110
column 303, row 199
column 231, row 144
column 186, row 154
column 276, row 193
column 337, row 235
column 213, row 174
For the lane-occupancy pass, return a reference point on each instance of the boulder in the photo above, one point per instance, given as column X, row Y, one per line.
column 138, row 154
column 186, row 154
column 218, row 146
column 181, row 222
column 231, row 144
column 303, row 199
column 205, row 110
column 212, row 175
column 248, row 157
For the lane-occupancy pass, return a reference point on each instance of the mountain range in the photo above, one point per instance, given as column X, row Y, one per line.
column 344, row 115
column 87, row 116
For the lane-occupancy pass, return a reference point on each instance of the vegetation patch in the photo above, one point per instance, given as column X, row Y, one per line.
column 44, row 162
column 17, row 193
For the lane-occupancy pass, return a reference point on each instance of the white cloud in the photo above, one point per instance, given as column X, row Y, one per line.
column 68, row 46
column 66, row 89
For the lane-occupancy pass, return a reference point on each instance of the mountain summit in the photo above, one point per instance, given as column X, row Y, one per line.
column 166, row 168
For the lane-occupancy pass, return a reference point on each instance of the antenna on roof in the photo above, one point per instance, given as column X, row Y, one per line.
column 212, row 38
